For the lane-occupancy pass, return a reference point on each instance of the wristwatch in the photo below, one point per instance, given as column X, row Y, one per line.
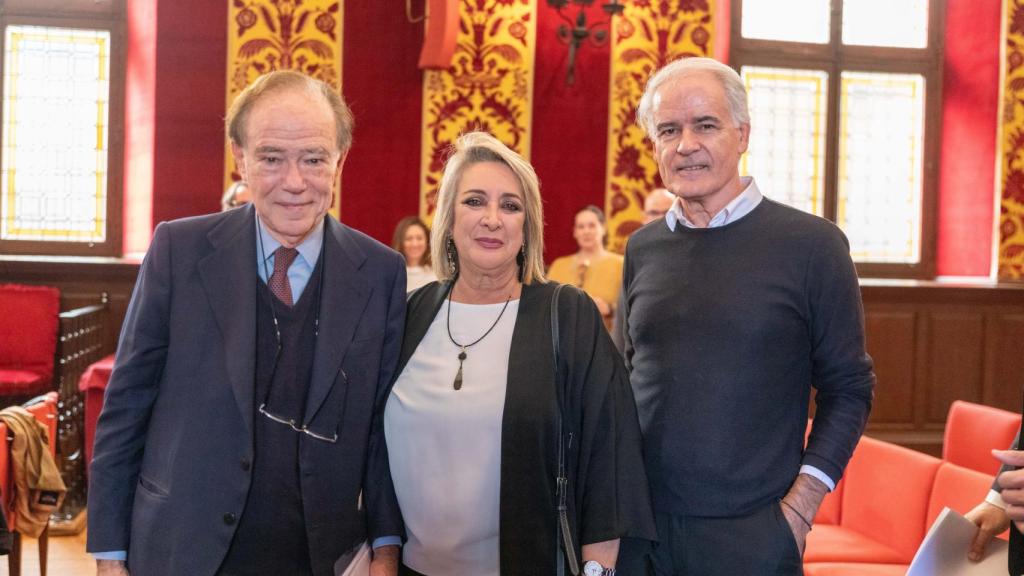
column 594, row 568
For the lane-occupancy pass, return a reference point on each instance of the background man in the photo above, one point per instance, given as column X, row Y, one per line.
column 240, row 432
column 656, row 204
column 736, row 306
column 236, row 195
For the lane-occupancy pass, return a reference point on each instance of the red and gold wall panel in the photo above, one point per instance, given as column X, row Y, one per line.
column 268, row 35
column 648, row 35
column 489, row 86
column 1011, row 205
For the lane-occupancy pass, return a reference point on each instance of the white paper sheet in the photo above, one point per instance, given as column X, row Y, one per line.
column 944, row 550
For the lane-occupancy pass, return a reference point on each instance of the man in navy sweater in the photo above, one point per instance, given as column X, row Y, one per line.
column 736, row 306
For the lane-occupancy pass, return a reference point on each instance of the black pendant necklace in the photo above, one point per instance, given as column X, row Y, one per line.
column 463, row 347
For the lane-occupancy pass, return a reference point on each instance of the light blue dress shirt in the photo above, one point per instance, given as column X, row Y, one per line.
column 301, row 269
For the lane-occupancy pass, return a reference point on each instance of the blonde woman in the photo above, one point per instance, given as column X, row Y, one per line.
column 477, row 414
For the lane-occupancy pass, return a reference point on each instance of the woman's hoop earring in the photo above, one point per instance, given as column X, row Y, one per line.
column 453, row 257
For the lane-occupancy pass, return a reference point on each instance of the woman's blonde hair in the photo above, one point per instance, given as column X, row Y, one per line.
column 474, row 148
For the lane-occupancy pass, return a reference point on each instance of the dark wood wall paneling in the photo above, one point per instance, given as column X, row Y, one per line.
column 891, row 340
column 935, row 342
column 932, row 342
column 1004, row 359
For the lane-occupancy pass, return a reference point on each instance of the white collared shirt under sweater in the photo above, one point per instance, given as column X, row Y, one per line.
column 444, row 444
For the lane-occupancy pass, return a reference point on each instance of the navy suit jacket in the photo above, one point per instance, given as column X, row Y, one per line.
column 174, row 443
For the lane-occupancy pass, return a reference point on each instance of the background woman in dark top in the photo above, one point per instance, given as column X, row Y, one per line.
column 472, row 420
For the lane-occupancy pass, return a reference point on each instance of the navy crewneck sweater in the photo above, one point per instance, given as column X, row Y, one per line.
column 728, row 329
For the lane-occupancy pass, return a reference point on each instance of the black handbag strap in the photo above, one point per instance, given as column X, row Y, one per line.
column 565, row 546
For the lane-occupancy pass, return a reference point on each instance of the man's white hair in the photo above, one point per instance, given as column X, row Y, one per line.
column 735, row 91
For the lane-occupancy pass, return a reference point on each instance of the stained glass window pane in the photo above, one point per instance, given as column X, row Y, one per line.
column 787, row 140
column 892, row 23
column 53, row 178
column 786, row 20
column 881, row 146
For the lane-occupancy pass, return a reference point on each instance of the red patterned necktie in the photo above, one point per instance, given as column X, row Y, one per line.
column 279, row 285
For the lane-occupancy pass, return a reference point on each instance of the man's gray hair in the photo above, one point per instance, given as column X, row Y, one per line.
column 735, row 91
column 274, row 83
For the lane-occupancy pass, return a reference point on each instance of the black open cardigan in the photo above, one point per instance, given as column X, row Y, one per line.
column 608, row 495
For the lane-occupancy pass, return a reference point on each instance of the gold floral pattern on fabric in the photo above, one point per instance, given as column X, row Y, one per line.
column 489, row 86
column 268, row 35
column 648, row 35
column 1011, row 201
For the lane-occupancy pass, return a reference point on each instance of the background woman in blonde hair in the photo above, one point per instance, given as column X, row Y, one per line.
column 472, row 423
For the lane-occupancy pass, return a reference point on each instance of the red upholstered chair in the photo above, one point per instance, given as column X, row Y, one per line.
column 44, row 409
column 28, row 340
column 880, row 512
column 863, row 569
column 973, row 430
column 958, row 488
column 884, row 505
column 93, row 384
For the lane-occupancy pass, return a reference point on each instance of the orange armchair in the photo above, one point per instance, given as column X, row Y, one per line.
column 888, row 498
column 884, row 505
column 958, row 488
column 973, row 430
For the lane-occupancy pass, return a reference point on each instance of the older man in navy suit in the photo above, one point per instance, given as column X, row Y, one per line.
column 241, row 430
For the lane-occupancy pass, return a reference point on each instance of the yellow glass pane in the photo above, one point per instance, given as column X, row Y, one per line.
column 53, row 169
column 786, row 20
column 881, row 150
column 787, row 138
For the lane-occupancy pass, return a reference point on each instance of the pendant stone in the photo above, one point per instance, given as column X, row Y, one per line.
column 458, row 377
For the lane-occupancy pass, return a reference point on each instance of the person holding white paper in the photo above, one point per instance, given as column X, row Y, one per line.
column 990, row 515
column 1012, row 483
